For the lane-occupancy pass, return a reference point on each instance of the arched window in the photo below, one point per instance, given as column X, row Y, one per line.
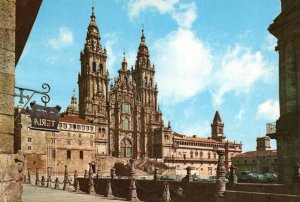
column 146, row 80
column 101, row 68
column 208, row 155
column 125, row 123
column 150, row 82
column 126, row 148
column 94, row 66
column 125, row 108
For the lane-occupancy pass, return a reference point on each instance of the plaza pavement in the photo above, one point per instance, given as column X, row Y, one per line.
column 32, row 193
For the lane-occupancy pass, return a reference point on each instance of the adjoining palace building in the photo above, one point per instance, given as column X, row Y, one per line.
column 121, row 120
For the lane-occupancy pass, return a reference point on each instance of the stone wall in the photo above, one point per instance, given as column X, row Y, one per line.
column 11, row 169
column 7, row 74
column 148, row 190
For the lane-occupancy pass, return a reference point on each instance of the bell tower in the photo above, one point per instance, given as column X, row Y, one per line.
column 143, row 75
column 94, row 78
column 217, row 128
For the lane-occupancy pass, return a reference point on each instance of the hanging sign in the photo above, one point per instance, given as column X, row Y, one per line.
column 44, row 118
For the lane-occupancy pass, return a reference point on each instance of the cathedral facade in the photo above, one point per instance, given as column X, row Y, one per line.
column 126, row 112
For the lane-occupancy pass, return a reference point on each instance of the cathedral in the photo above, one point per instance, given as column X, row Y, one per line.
column 118, row 120
column 126, row 112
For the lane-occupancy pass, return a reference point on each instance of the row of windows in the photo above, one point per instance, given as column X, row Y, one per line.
column 199, row 144
column 80, row 142
column 79, row 136
column 254, row 161
column 69, row 154
column 76, row 127
column 200, row 154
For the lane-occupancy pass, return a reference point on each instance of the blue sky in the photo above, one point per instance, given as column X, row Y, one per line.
column 209, row 55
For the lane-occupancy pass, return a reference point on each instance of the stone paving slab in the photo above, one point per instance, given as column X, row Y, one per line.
column 40, row 194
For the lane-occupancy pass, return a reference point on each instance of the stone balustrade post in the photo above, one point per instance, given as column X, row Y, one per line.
column 132, row 188
column 29, row 176
column 56, row 186
column 66, row 179
column 188, row 176
column 98, row 173
column 109, row 194
column 166, row 193
column 85, row 176
column 156, row 174
column 232, row 176
column 37, row 180
column 113, row 174
column 221, row 173
column 91, row 189
column 296, row 180
column 43, row 181
column 76, row 182
column 48, row 174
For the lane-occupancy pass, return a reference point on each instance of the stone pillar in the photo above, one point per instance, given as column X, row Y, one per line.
column 132, row 188
column 232, row 176
column 56, row 186
column 37, row 180
column 109, row 194
column 98, row 174
column 85, row 176
column 29, row 176
column 91, row 189
column 221, row 173
column 113, row 174
column 10, row 181
column 166, row 193
column 48, row 177
column 76, row 182
column 156, row 174
column 66, row 179
column 188, row 177
column 43, row 181
column 286, row 29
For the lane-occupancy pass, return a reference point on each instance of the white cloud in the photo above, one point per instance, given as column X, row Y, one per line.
column 163, row 6
column 183, row 13
column 111, row 40
column 268, row 110
column 184, row 64
column 64, row 38
column 240, row 114
column 239, row 70
column 51, row 59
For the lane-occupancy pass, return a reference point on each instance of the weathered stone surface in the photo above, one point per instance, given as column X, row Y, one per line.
column 6, row 105
column 8, row 14
column 230, row 196
column 244, row 196
column 7, row 82
column 260, row 197
column 11, row 177
column 7, row 62
column 6, row 143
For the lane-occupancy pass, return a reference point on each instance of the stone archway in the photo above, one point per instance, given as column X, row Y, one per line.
column 126, row 148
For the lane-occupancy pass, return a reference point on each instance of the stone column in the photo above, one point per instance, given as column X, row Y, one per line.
column 221, row 173
column 91, row 189
column 232, row 177
column 132, row 188
column 166, row 193
column 188, row 177
column 285, row 28
column 66, row 179
column 85, row 176
column 113, row 174
column 29, row 176
column 109, row 194
column 156, row 174
column 37, row 180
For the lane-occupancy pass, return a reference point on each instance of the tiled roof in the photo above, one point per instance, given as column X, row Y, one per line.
column 252, row 154
column 73, row 119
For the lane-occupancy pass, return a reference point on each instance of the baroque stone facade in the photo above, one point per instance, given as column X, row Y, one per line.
column 128, row 120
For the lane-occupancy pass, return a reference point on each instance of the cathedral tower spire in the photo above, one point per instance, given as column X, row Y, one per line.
column 93, row 79
column 217, row 128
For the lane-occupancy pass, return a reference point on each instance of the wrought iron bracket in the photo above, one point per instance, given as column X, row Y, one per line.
column 45, row 98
